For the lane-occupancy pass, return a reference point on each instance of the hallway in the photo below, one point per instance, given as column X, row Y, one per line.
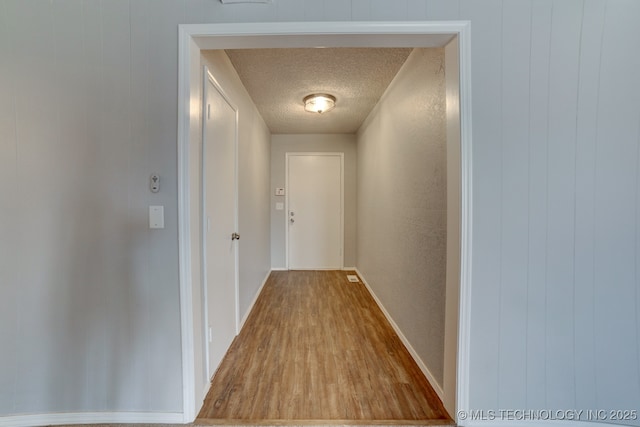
column 317, row 348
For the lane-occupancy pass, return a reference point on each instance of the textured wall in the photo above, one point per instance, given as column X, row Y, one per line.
column 88, row 111
column 402, row 200
column 340, row 143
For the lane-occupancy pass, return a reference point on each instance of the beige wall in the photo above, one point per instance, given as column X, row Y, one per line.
column 402, row 203
column 340, row 143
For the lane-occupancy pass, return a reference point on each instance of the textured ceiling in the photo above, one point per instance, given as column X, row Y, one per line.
column 278, row 79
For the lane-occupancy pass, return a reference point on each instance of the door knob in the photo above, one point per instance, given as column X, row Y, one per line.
column 235, row 236
column 292, row 220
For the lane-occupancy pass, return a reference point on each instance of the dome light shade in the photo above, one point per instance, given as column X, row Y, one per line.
column 319, row 103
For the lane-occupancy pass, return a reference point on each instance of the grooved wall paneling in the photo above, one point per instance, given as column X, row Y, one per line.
column 615, row 266
column 514, row 230
column 538, row 124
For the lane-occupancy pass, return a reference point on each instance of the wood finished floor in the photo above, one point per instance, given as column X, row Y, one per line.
column 316, row 349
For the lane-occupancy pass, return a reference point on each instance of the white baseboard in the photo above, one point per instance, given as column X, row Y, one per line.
column 280, row 269
column 436, row 386
column 32, row 420
column 349, row 269
column 255, row 299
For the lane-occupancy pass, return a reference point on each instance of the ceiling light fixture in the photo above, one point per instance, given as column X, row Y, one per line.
column 319, row 102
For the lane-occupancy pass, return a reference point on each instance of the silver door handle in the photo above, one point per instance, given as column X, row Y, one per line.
column 235, row 236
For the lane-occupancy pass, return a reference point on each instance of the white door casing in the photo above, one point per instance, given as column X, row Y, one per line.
column 219, row 223
column 315, row 212
column 193, row 38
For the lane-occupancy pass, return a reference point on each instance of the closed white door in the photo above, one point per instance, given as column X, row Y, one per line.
column 219, row 200
column 314, row 211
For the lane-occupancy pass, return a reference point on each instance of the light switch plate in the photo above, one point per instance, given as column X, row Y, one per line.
column 279, row 206
column 156, row 216
column 279, row 191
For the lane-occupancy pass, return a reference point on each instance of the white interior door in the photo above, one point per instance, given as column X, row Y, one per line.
column 219, row 194
column 314, row 211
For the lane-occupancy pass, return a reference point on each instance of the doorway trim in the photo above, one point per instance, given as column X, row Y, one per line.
column 288, row 155
column 196, row 37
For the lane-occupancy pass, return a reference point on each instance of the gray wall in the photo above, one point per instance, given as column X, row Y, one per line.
column 555, row 304
column 89, row 297
column 402, row 201
column 340, row 143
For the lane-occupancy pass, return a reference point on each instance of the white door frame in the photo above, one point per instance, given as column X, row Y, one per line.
column 208, row 77
column 196, row 37
column 286, row 219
